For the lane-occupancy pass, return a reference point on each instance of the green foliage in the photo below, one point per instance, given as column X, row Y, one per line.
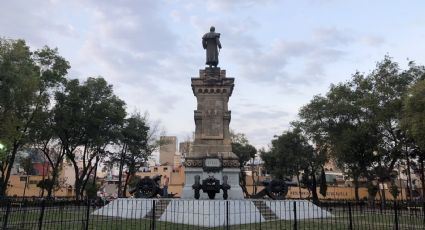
column 245, row 152
column 135, row 139
column 414, row 113
column 241, row 147
column 134, row 181
column 26, row 82
column 46, row 184
column 372, row 189
column 87, row 115
column 238, row 138
column 91, row 190
column 394, row 190
column 289, row 154
column 359, row 121
column 26, row 164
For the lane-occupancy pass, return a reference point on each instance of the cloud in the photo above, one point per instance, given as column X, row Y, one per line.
column 134, row 47
column 229, row 5
column 264, row 115
column 372, row 40
column 32, row 21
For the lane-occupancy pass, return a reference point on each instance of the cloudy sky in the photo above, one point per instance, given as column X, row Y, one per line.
column 281, row 53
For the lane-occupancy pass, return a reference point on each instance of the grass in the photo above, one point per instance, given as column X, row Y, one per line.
column 74, row 218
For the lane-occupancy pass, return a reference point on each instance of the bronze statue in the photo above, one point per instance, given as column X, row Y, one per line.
column 211, row 42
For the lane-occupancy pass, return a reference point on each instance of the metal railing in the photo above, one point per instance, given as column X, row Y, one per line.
column 209, row 214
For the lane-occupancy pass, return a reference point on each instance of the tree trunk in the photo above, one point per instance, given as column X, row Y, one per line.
column 254, row 184
column 299, row 185
column 25, row 186
column 9, row 167
column 95, row 170
column 314, row 188
column 77, row 184
column 422, row 178
column 409, row 178
column 54, row 178
column 356, row 188
column 242, row 182
column 384, row 198
column 120, row 175
column 127, row 178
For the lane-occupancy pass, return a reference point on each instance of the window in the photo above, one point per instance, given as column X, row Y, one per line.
column 165, row 169
column 23, row 178
column 155, row 169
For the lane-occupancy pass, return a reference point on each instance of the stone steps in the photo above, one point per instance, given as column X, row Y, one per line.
column 265, row 211
column 160, row 207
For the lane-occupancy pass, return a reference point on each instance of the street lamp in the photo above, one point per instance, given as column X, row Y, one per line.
column 2, row 147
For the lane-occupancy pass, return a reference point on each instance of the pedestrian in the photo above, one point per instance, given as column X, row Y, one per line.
column 165, row 183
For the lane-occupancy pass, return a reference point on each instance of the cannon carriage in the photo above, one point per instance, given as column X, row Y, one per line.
column 211, row 186
column 147, row 187
column 276, row 189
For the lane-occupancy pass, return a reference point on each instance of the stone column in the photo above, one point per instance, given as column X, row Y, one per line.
column 212, row 90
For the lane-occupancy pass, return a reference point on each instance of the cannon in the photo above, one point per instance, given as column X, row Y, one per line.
column 147, row 187
column 276, row 189
column 211, row 186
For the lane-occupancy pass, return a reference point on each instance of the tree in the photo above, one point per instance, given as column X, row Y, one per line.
column 244, row 151
column 86, row 119
column 413, row 122
column 290, row 155
column 359, row 121
column 26, row 80
column 133, row 142
column 338, row 124
column 323, row 185
column 45, row 140
column 26, row 164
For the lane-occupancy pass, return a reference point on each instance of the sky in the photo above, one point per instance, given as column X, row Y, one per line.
column 281, row 53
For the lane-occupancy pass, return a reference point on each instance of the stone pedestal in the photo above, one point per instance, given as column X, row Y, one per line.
column 234, row 193
column 212, row 90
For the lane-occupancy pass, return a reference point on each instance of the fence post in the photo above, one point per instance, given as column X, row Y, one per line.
column 153, row 214
column 295, row 216
column 260, row 219
column 227, row 214
column 350, row 214
column 87, row 214
column 24, row 215
column 6, row 215
column 395, row 216
column 423, row 210
column 40, row 219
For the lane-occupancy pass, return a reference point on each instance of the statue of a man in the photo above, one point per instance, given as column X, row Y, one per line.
column 211, row 42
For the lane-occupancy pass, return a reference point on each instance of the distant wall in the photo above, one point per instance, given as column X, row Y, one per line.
column 17, row 185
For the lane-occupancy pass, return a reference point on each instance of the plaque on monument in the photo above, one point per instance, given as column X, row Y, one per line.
column 212, row 165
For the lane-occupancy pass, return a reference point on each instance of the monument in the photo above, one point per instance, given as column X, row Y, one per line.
column 212, row 167
column 211, row 159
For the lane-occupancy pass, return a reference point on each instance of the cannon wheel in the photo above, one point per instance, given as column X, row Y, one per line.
column 225, row 195
column 196, row 186
column 281, row 193
column 211, row 195
column 197, row 195
column 146, row 188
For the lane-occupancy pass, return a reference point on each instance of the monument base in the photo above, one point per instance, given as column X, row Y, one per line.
column 235, row 192
column 213, row 213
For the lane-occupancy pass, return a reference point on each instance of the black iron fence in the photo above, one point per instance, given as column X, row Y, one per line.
column 209, row 214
